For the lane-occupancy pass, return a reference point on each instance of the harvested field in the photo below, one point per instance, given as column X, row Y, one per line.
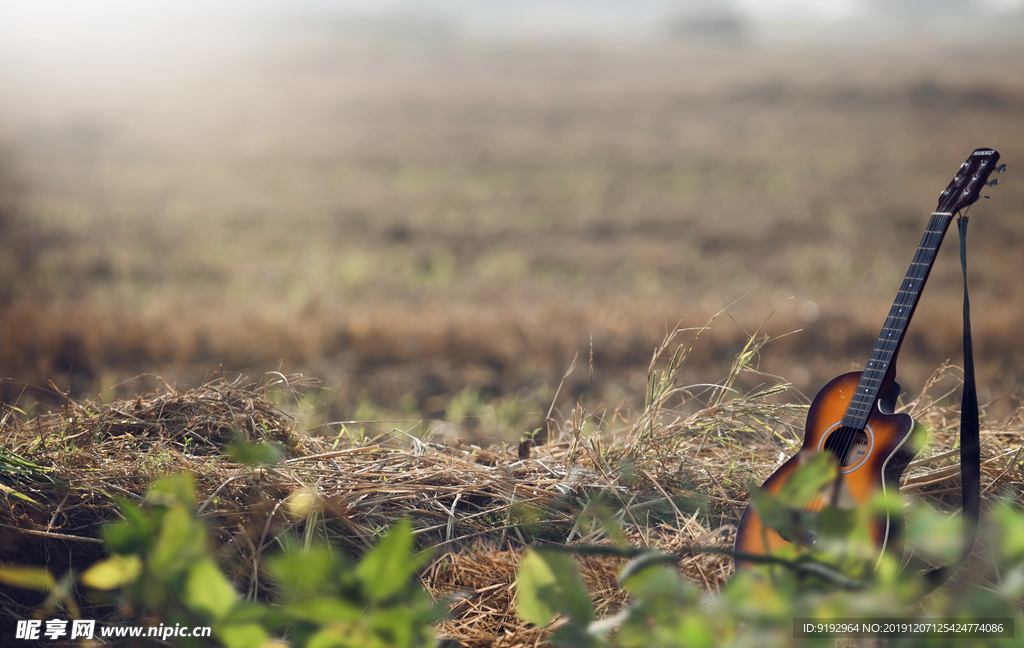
column 397, row 259
column 475, row 508
column 410, row 222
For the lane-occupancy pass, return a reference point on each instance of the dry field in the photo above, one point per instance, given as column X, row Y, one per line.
column 437, row 229
column 670, row 481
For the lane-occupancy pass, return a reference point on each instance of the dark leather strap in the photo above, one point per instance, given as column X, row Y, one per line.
column 970, row 440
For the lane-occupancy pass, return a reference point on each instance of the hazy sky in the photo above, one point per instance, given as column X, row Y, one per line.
column 769, row 9
column 102, row 23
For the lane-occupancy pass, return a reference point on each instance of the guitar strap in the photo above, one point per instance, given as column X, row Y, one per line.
column 970, row 441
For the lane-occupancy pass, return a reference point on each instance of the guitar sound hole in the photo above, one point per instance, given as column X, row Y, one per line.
column 849, row 445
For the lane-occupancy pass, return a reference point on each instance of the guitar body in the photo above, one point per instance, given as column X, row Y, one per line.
column 872, row 466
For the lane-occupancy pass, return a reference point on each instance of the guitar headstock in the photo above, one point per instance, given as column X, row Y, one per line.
column 966, row 186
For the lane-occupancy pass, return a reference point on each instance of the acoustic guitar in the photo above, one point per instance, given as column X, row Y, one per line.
column 852, row 416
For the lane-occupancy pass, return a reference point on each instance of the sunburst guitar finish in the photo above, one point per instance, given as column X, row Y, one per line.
column 851, row 417
column 873, row 464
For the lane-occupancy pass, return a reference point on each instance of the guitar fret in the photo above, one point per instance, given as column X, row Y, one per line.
column 889, row 338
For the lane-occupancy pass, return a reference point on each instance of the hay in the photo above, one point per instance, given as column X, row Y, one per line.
column 477, row 507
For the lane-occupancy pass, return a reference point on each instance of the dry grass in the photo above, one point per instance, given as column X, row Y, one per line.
column 414, row 222
column 671, row 479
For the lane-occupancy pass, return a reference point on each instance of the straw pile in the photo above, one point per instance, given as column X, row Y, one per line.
column 671, row 479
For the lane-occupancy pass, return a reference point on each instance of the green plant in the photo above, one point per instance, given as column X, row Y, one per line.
column 466, row 406
column 834, row 579
column 16, row 472
column 161, row 566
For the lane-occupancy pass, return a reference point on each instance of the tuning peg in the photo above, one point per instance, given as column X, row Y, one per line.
column 1001, row 168
column 993, row 182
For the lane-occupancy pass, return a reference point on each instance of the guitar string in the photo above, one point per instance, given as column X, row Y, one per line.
column 883, row 353
column 879, row 355
column 937, row 228
column 896, row 323
column 885, row 347
column 906, row 298
column 938, row 224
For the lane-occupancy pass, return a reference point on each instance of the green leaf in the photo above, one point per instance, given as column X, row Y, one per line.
column 181, row 540
column 259, row 453
column 789, row 521
column 13, row 493
column 534, row 578
column 695, row 630
column 325, row 610
column 837, row 523
column 243, row 612
column 573, row 634
column 340, row 636
column 303, row 571
column 35, row 578
column 667, row 612
column 661, row 585
column 549, row 583
column 133, row 536
column 113, row 573
column 208, row 590
column 1011, row 547
column 939, row 535
column 387, row 568
column 644, row 561
column 784, row 512
column 816, row 471
column 396, row 626
column 242, row 635
column 173, row 489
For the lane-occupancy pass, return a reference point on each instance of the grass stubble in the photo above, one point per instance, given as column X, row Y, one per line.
column 673, row 474
column 438, row 232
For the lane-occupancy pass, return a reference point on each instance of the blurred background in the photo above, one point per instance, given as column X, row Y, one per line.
column 434, row 206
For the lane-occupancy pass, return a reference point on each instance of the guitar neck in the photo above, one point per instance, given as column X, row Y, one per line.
column 889, row 340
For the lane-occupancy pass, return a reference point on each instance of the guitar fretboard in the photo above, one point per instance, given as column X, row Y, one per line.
column 895, row 326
